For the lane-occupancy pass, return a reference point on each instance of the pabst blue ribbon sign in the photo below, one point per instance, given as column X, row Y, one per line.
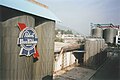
column 27, row 40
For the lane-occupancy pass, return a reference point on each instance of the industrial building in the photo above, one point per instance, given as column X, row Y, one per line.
column 91, row 54
column 67, row 54
column 38, row 17
column 106, row 31
column 117, row 38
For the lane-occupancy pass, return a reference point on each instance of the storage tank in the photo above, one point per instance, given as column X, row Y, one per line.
column 97, row 32
column 109, row 34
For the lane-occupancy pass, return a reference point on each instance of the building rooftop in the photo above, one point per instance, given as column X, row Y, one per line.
column 31, row 7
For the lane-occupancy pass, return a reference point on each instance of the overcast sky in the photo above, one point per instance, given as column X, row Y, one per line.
column 78, row 14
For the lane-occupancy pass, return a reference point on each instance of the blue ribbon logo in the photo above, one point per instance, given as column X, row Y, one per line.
column 27, row 40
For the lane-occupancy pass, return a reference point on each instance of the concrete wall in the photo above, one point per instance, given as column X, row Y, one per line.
column 64, row 60
column 0, row 46
column 43, row 68
column 94, row 52
column 15, row 67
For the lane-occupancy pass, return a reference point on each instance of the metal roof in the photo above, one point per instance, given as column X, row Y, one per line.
column 29, row 7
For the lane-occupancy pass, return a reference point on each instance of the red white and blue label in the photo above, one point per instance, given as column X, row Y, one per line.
column 27, row 40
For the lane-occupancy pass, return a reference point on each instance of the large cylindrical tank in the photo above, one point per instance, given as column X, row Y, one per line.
column 109, row 34
column 97, row 32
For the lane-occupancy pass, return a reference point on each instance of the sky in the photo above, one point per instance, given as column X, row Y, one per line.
column 79, row 14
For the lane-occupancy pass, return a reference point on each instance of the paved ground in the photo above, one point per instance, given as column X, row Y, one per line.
column 75, row 73
column 111, row 70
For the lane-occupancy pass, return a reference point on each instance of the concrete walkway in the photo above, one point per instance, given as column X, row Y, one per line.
column 74, row 73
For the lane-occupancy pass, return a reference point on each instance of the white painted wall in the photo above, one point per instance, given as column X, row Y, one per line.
column 69, row 59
